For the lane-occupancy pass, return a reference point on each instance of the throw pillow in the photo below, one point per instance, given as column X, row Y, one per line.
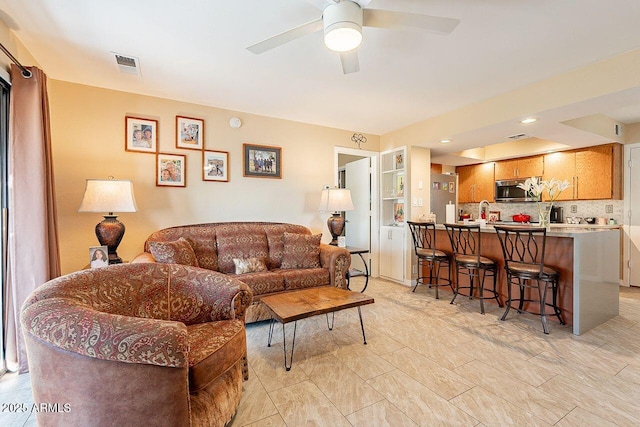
column 301, row 251
column 249, row 265
column 176, row 252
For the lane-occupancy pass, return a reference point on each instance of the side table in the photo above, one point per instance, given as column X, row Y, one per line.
column 353, row 272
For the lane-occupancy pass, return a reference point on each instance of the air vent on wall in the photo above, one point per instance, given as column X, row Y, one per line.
column 518, row 136
column 127, row 64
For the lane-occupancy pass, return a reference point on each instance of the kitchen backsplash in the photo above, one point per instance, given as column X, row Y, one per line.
column 584, row 209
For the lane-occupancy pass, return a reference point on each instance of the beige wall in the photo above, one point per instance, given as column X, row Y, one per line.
column 88, row 142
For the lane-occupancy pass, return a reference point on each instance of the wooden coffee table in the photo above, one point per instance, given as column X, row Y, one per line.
column 295, row 305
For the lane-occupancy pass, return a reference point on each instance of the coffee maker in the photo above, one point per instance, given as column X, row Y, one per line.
column 556, row 216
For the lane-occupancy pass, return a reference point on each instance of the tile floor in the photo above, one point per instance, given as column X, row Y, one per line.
column 430, row 363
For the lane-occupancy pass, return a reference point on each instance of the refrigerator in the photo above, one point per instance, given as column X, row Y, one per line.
column 444, row 191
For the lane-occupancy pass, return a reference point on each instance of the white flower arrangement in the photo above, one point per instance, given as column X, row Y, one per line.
column 536, row 187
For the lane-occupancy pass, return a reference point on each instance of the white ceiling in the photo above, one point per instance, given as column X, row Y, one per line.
column 195, row 51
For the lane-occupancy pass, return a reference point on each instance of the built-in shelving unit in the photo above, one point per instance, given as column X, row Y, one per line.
column 394, row 210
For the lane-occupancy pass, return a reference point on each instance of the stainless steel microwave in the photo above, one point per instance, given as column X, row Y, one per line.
column 508, row 191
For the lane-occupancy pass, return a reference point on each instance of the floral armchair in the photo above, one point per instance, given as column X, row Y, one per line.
column 138, row 344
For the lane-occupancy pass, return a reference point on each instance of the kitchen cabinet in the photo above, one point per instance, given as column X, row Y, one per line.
column 561, row 166
column 392, row 250
column 476, row 183
column 594, row 172
column 519, row 168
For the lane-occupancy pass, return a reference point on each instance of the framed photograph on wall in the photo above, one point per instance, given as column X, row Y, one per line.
column 189, row 133
column 215, row 166
column 140, row 135
column 261, row 161
column 98, row 256
column 171, row 170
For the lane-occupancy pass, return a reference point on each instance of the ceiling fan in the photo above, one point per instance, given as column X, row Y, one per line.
column 342, row 22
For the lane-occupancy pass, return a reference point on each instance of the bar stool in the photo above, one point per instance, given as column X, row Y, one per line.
column 424, row 245
column 523, row 250
column 465, row 244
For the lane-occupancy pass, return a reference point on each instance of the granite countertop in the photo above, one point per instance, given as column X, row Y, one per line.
column 557, row 230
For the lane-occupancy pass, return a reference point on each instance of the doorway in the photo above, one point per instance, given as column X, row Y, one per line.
column 357, row 171
column 631, row 263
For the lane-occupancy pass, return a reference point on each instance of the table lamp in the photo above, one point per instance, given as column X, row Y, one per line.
column 109, row 196
column 335, row 200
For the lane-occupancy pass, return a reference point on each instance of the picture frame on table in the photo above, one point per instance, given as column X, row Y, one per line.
column 189, row 133
column 398, row 212
column 494, row 216
column 140, row 135
column 215, row 166
column 171, row 170
column 98, row 256
column 262, row 161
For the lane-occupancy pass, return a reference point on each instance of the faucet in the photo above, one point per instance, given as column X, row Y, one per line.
column 481, row 211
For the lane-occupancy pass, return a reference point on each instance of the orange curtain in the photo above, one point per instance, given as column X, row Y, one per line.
column 34, row 256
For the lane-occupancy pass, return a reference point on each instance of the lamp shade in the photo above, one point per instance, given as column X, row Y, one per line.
column 335, row 200
column 108, row 196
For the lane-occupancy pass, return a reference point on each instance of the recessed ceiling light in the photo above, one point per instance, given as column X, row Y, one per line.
column 528, row 120
column 445, row 141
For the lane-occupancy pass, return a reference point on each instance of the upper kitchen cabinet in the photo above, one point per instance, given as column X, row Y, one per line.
column 594, row 172
column 519, row 168
column 476, row 183
column 561, row 166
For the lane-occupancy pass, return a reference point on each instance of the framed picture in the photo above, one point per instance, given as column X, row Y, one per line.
column 215, row 166
column 171, row 170
column 189, row 133
column 98, row 256
column 452, row 187
column 140, row 135
column 494, row 216
column 398, row 212
column 262, row 161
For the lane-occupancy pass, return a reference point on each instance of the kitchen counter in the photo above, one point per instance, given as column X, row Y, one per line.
column 587, row 258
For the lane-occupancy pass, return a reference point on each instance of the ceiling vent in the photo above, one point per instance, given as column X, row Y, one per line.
column 518, row 136
column 127, row 64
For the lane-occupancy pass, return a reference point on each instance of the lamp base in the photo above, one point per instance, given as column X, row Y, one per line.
column 109, row 233
column 335, row 223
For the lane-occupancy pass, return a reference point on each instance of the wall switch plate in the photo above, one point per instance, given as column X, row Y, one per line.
column 574, row 208
column 608, row 208
column 420, row 185
column 420, row 201
column 415, row 201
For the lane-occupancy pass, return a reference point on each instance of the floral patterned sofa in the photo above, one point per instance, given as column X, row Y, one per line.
column 268, row 257
column 137, row 344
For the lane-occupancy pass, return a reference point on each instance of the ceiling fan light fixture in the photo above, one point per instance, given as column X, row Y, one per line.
column 343, row 37
column 342, row 24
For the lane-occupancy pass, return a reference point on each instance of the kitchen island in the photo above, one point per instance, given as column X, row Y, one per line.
column 587, row 260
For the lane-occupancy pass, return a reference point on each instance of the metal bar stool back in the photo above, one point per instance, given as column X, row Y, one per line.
column 466, row 242
column 523, row 249
column 424, row 245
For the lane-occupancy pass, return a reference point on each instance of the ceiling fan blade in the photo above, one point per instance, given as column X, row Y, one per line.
column 408, row 21
column 319, row 4
column 286, row 37
column 350, row 63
